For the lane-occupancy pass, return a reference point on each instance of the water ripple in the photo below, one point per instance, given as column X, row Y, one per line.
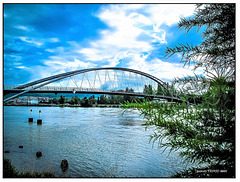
column 97, row 142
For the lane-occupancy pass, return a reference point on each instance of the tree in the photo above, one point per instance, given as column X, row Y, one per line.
column 85, row 102
column 74, row 100
column 103, row 100
column 218, row 46
column 92, row 100
column 148, row 90
column 203, row 132
column 98, row 100
column 127, row 97
column 117, row 99
column 159, row 90
column 145, row 90
column 62, row 99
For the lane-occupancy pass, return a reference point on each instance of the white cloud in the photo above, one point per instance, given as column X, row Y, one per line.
column 124, row 33
column 21, row 27
column 55, row 39
column 31, row 41
column 121, row 37
column 169, row 13
column 59, row 63
column 161, row 69
column 56, row 65
column 37, row 41
column 14, row 57
column 139, row 19
column 123, row 40
column 114, row 61
column 94, row 54
column 169, row 71
column 22, row 67
column 127, row 22
column 56, row 50
column 49, row 50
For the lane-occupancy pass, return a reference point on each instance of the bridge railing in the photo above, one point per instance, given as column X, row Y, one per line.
column 10, row 87
column 90, row 90
column 56, row 88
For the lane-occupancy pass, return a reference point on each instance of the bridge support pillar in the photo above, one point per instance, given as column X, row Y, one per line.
column 30, row 120
column 39, row 121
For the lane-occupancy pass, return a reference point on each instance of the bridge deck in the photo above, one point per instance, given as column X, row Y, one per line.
column 88, row 91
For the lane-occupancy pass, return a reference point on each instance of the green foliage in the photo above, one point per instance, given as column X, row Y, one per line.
column 103, row 99
column 218, row 46
column 127, row 97
column 148, row 90
column 202, row 127
column 116, row 99
column 91, row 101
column 202, row 133
column 76, row 100
column 85, row 102
column 9, row 171
column 62, row 99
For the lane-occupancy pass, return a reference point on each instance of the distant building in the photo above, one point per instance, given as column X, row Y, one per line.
column 30, row 100
column 33, row 100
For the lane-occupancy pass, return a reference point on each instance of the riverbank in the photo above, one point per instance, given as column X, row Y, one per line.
column 64, row 105
column 9, row 171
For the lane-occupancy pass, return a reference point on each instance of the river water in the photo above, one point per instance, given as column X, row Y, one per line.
column 97, row 142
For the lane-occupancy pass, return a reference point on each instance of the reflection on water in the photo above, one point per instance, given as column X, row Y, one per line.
column 97, row 142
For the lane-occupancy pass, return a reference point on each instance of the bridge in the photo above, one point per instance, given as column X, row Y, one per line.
column 109, row 80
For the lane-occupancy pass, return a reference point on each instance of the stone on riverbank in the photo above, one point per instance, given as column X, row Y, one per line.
column 39, row 154
column 64, row 165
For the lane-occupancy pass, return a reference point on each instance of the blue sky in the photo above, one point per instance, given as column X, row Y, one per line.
column 41, row 40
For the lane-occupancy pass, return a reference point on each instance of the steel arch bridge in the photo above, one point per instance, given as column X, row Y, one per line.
column 108, row 80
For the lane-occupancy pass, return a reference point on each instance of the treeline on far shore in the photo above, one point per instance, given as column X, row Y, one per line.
column 103, row 99
column 93, row 101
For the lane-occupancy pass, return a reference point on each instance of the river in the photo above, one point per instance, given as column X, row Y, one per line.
column 97, row 142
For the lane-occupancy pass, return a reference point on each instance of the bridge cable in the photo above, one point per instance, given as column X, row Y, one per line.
column 73, row 80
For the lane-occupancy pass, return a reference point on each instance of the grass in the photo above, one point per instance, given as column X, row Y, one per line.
column 9, row 171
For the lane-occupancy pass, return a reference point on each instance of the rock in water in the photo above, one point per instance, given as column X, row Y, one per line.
column 64, row 165
column 39, row 154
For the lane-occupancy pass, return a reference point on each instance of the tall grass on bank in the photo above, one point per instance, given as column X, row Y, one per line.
column 9, row 171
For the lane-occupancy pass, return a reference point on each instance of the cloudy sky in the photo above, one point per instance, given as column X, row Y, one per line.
column 46, row 39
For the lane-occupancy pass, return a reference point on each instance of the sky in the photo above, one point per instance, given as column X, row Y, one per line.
column 41, row 40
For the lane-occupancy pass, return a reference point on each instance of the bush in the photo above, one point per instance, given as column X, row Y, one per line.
column 9, row 171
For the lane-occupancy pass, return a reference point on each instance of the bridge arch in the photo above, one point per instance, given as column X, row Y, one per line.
column 72, row 73
column 48, row 80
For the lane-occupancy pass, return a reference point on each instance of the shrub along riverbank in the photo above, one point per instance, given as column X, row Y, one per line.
column 9, row 171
